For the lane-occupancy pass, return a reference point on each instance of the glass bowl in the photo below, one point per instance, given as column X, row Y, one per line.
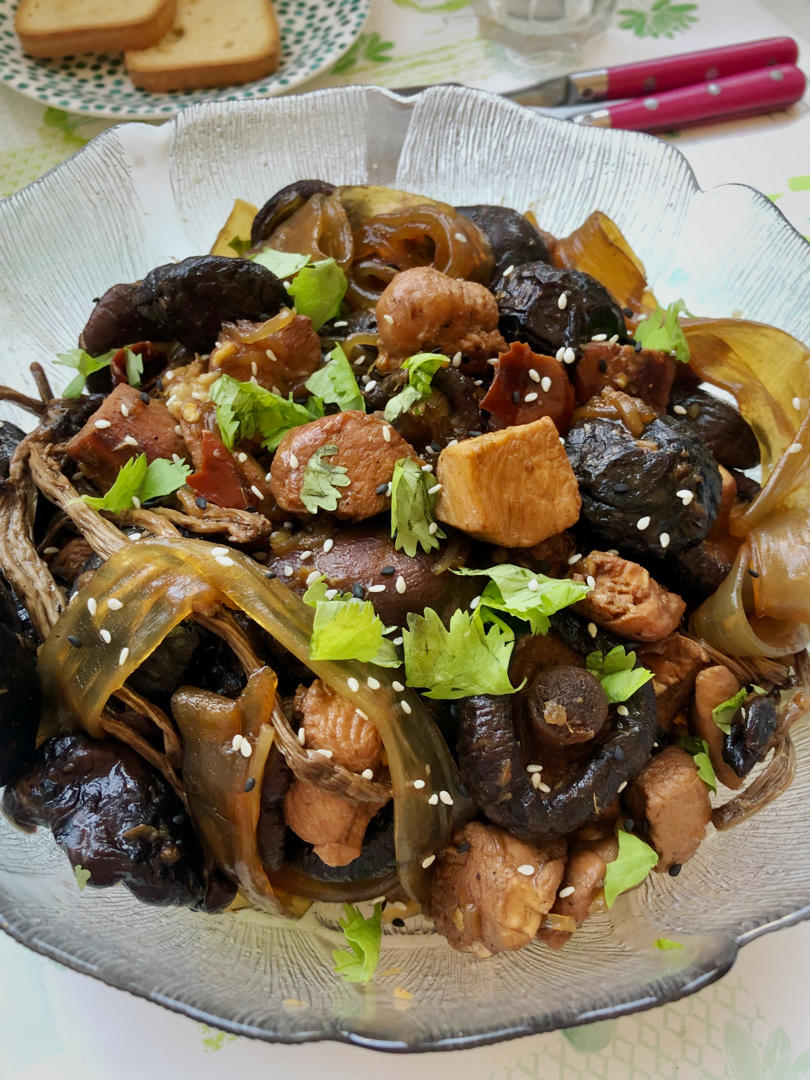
column 138, row 196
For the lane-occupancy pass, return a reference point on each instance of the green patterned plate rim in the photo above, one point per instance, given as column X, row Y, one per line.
column 314, row 35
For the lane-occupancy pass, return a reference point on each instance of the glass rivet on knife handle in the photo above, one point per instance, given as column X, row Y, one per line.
column 588, row 86
column 596, row 118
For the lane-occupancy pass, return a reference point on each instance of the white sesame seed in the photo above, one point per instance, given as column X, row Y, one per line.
column 129, row 440
column 400, row 584
column 102, row 424
column 453, row 442
column 663, row 539
column 223, row 560
column 797, row 403
column 462, row 239
column 305, row 555
column 397, row 686
column 476, row 600
column 621, row 787
column 135, row 536
column 426, row 468
column 537, row 780
column 122, row 656
column 324, row 752
column 178, row 430
column 592, row 629
column 330, row 594
column 529, row 398
column 136, row 502
column 397, row 640
column 685, row 496
column 642, row 523
column 287, row 570
column 376, row 588
column 433, row 528
column 302, row 735
column 534, row 374
column 268, row 477
column 386, row 433
column 622, row 710
column 245, row 749
column 169, row 375
column 526, row 869
column 429, row 861
column 545, row 384
column 372, row 683
column 328, row 545
column 353, row 684
column 560, row 353
column 314, row 576
column 794, row 448
column 599, row 337
column 340, row 323
column 293, row 460
column 433, row 800
column 562, row 301
column 590, row 581
column 569, row 890
column 367, row 774
column 50, row 551
column 124, row 410
column 406, row 707
column 388, row 490
column 113, row 604
column 544, row 788
column 389, row 319
column 92, row 606
column 419, row 784
column 456, row 360
column 435, row 489
column 446, row 798
column 569, row 356
column 574, row 559
column 241, row 457
column 237, row 741
column 533, row 585
column 679, row 409
column 534, row 768
column 613, row 340
column 105, row 636
column 257, row 491
column 254, row 370
column 219, row 551
column 509, row 270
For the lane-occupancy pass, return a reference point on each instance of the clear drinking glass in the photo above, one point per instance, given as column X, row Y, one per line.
column 543, row 24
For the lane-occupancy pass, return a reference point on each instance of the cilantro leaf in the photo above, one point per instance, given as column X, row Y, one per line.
column 665, row 944
column 318, row 290
column 134, row 367
column 662, row 330
column 724, row 713
column 84, row 365
column 245, row 410
column 364, row 937
column 82, row 876
column 335, row 383
column 412, row 521
column 465, row 659
column 346, row 628
column 699, row 749
column 421, row 368
column 630, row 867
column 282, row 263
column 615, row 671
column 526, row 595
column 138, row 481
column 319, row 490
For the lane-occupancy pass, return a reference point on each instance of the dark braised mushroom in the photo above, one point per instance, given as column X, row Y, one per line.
column 750, row 738
column 566, row 705
column 19, row 693
column 283, row 205
column 10, row 437
column 115, row 320
column 112, row 815
column 551, row 309
column 652, row 495
column 512, row 237
column 272, row 832
column 167, row 667
column 725, row 432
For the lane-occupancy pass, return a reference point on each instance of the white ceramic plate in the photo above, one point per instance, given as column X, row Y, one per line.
column 314, row 35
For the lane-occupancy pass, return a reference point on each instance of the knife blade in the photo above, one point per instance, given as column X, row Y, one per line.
column 653, row 76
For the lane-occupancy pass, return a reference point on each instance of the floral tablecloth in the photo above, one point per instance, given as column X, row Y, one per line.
column 752, row 1024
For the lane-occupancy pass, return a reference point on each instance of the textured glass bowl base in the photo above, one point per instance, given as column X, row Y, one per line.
column 163, row 193
column 554, row 30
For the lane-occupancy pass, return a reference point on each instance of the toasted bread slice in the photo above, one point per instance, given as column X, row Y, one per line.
column 50, row 28
column 212, row 43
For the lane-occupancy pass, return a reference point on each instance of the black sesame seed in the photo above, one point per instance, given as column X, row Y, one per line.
column 637, row 346
column 179, row 819
column 250, row 784
column 251, row 510
column 381, row 489
column 629, row 824
column 271, row 574
column 358, row 592
column 473, row 434
column 674, row 870
column 516, row 397
column 455, row 711
column 462, row 790
column 387, row 571
column 753, row 573
column 628, row 312
column 74, row 641
column 201, row 501
column 618, row 753
column 384, row 904
column 463, row 846
column 397, row 922
column 159, row 385
column 144, row 397
column 436, row 447
column 603, row 365
column 621, row 489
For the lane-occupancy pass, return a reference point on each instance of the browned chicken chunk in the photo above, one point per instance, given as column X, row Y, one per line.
column 647, row 374
column 331, row 722
column 362, row 449
column 713, row 686
column 513, row 487
column 674, row 662
column 625, row 599
column 423, row 310
column 279, row 354
column 124, row 426
column 489, row 891
column 669, row 794
column 333, row 825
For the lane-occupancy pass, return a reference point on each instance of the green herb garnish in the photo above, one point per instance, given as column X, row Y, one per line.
column 245, row 410
column 82, row 876
column 662, row 330
column 335, row 383
column 319, row 490
column 616, row 672
column 466, row 658
column 318, row 291
column 282, row 263
column 724, row 713
column 525, row 594
column 84, row 364
column 664, row 944
column 699, row 749
column 138, row 481
column 421, row 368
column 346, row 628
column 363, row 936
column 630, row 867
column 412, row 522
